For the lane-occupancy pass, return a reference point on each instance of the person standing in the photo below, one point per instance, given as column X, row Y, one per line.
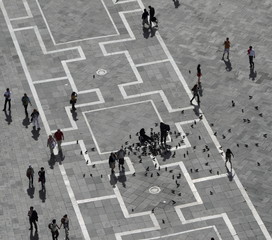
column 228, row 157
column 53, row 226
column 227, row 48
column 199, row 74
column 35, row 119
column 251, row 55
column 121, row 158
column 195, row 90
column 33, row 217
column 7, row 96
column 151, row 15
column 164, row 132
column 73, row 100
column 145, row 17
column 51, row 143
column 65, row 223
column 30, row 175
column 41, row 174
column 26, row 101
column 59, row 137
column 112, row 160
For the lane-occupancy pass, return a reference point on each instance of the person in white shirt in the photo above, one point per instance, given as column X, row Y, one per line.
column 7, row 96
column 251, row 55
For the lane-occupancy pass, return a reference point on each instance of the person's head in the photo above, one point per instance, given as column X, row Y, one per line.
column 25, row 95
column 149, row 7
column 65, row 216
column 29, row 166
column 54, row 221
column 228, row 150
column 198, row 66
column 212, row 238
column 58, row 130
column 227, row 39
column 250, row 47
column 50, row 136
column 42, row 168
column 7, row 89
column 31, row 208
column 145, row 10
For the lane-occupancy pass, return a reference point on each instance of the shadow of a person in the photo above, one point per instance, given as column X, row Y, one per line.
column 153, row 31
column 35, row 134
column 31, row 191
column 230, row 176
column 74, row 115
column 252, row 74
column 228, row 65
column 113, row 180
column 42, row 194
column 60, row 157
column 35, row 236
column 200, row 89
column 176, row 3
column 26, row 122
column 8, row 117
column 166, row 155
column 52, row 161
column 196, row 109
column 146, row 32
column 122, row 178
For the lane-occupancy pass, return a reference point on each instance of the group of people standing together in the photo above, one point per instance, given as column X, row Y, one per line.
column 149, row 18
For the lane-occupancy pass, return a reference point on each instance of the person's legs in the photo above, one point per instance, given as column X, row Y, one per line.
column 5, row 105
column 38, row 124
column 59, row 145
column 31, row 225
column 57, row 234
column 35, row 225
column 9, row 104
column 192, row 98
column 250, row 60
column 198, row 100
column 26, row 113
column 34, row 120
column 228, row 53
column 53, row 235
column 164, row 139
column 31, row 180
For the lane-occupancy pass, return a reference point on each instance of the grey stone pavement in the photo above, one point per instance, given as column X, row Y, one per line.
column 51, row 48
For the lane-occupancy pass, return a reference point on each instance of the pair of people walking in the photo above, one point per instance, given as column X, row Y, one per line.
column 54, row 228
column 152, row 17
column 118, row 156
column 57, row 140
column 30, row 175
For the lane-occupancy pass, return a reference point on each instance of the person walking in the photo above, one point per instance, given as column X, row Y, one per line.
column 33, row 217
column 65, row 223
column 35, row 119
column 164, row 132
column 59, row 137
column 30, row 175
column 41, row 174
column 112, row 160
column 228, row 157
column 26, row 101
column 145, row 18
column 7, row 96
column 199, row 74
column 121, row 158
column 227, row 48
column 195, row 90
column 251, row 55
column 73, row 100
column 151, row 15
column 53, row 226
column 51, row 143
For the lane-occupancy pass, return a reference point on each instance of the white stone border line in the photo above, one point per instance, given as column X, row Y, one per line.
column 28, row 11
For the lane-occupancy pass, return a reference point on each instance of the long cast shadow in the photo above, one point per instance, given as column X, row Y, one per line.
column 252, row 74
column 8, row 117
column 35, row 134
column 31, row 191
column 34, row 236
column 26, row 122
column 42, row 194
column 176, row 3
column 228, row 65
column 122, row 177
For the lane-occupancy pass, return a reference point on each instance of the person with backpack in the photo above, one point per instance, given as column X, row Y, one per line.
column 35, row 119
column 195, row 91
column 53, row 226
column 7, row 96
column 164, row 132
column 112, row 160
column 30, row 175
column 26, row 101
column 121, row 158
column 33, row 217
column 73, row 100
column 65, row 223
column 41, row 174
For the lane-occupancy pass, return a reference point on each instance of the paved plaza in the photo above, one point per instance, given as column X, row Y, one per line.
column 128, row 77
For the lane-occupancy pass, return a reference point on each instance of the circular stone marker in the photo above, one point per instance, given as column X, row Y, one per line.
column 154, row 190
column 101, row 72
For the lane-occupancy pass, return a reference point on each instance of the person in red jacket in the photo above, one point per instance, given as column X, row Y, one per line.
column 59, row 137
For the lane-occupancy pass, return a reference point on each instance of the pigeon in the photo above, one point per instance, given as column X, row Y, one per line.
column 184, row 155
column 242, row 110
column 93, row 166
column 153, row 210
column 244, row 120
column 146, row 174
column 177, row 182
column 91, row 175
column 140, row 161
column 133, row 174
column 192, row 126
column 211, row 193
column 156, row 124
column 93, row 149
column 179, row 194
column 80, row 152
column 129, row 136
column 191, row 170
column 250, row 97
column 159, row 168
column 174, row 154
column 84, row 175
column 173, row 177
column 206, row 164
column 210, row 170
column 212, row 124
column 151, row 175
column 126, row 143
column 220, row 148
column 147, row 169
column 200, row 117
column 190, row 71
column 223, row 136
column 258, row 164
column 179, row 144
column 158, row 174
column 101, row 176
column 174, row 202
column 194, row 147
column 217, row 172
column 265, row 135
column 204, row 150
column 76, row 141
column 248, row 121
column 229, row 130
column 176, row 147
column 256, row 107
column 195, row 122
column 132, row 210
column 261, row 115
column 179, row 176
column 233, row 103
column 182, row 112
column 237, row 145
column 199, row 137
column 171, row 171
column 246, row 145
column 215, row 134
column 196, row 170
column 155, row 165
column 173, row 191
column 163, row 221
column 208, row 155
column 257, row 144
column 166, row 169
column 87, row 161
